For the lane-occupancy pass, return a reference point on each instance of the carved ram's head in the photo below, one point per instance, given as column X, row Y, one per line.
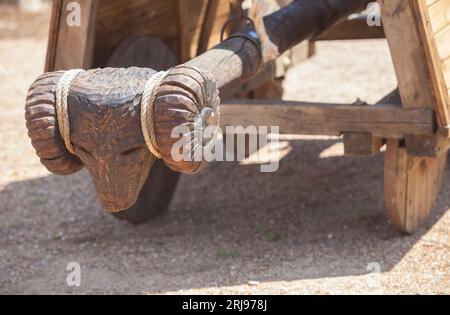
column 104, row 110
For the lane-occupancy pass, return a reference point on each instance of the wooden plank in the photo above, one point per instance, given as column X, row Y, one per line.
column 184, row 31
column 443, row 42
column 71, row 46
column 446, row 69
column 395, row 178
column 350, row 29
column 407, row 30
column 53, row 36
column 430, row 2
column 207, row 26
column 412, row 185
column 439, row 12
column 118, row 21
column 407, row 54
column 382, row 121
column 434, row 47
column 176, row 22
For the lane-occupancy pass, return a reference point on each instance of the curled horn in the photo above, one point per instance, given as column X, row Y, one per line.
column 42, row 125
column 187, row 97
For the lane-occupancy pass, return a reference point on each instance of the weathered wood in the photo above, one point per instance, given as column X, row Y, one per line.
column 427, row 146
column 71, row 46
column 412, row 183
column 178, row 23
column 207, row 26
column 407, row 29
column 361, row 144
column 161, row 183
column 41, row 122
column 104, row 111
column 438, row 12
column 141, row 52
column 53, row 36
column 411, row 186
column 382, row 121
column 352, row 28
column 436, row 45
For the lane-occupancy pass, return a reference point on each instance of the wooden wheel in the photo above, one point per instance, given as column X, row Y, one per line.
column 160, row 186
column 411, row 184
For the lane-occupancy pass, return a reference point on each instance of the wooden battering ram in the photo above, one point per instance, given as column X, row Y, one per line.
column 128, row 42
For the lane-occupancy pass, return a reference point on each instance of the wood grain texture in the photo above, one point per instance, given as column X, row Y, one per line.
column 416, row 55
column 43, row 130
column 207, row 26
column 439, row 12
column 381, row 120
column 411, row 186
column 188, row 97
column 71, row 46
column 436, row 44
column 104, row 110
column 178, row 23
column 161, row 183
column 408, row 56
column 361, row 144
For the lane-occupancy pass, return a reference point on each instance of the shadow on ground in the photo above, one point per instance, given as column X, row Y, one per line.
column 316, row 217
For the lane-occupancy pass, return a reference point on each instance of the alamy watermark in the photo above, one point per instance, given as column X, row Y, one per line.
column 373, row 14
column 74, row 15
column 73, row 278
column 207, row 144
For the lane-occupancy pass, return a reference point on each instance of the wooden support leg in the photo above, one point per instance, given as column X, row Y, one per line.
column 411, row 184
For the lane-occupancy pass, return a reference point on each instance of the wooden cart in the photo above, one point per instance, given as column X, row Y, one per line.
column 413, row 123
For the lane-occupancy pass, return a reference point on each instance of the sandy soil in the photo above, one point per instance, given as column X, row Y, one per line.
column 318, row 225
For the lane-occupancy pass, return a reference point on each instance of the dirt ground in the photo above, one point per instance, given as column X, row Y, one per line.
column 318, row 225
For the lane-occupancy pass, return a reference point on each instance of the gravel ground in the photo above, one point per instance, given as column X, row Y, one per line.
column 318, row 225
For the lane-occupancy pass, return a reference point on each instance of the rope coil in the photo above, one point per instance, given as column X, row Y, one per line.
column 62, row 108
column 148, row 111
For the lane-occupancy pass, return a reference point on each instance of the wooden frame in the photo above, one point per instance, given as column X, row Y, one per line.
column 382, row 120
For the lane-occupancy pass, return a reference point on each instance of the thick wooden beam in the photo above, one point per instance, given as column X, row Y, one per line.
column 412, row 49
column 71, row 46
column 207, row 25
column 427, row 146
column 381, row 121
